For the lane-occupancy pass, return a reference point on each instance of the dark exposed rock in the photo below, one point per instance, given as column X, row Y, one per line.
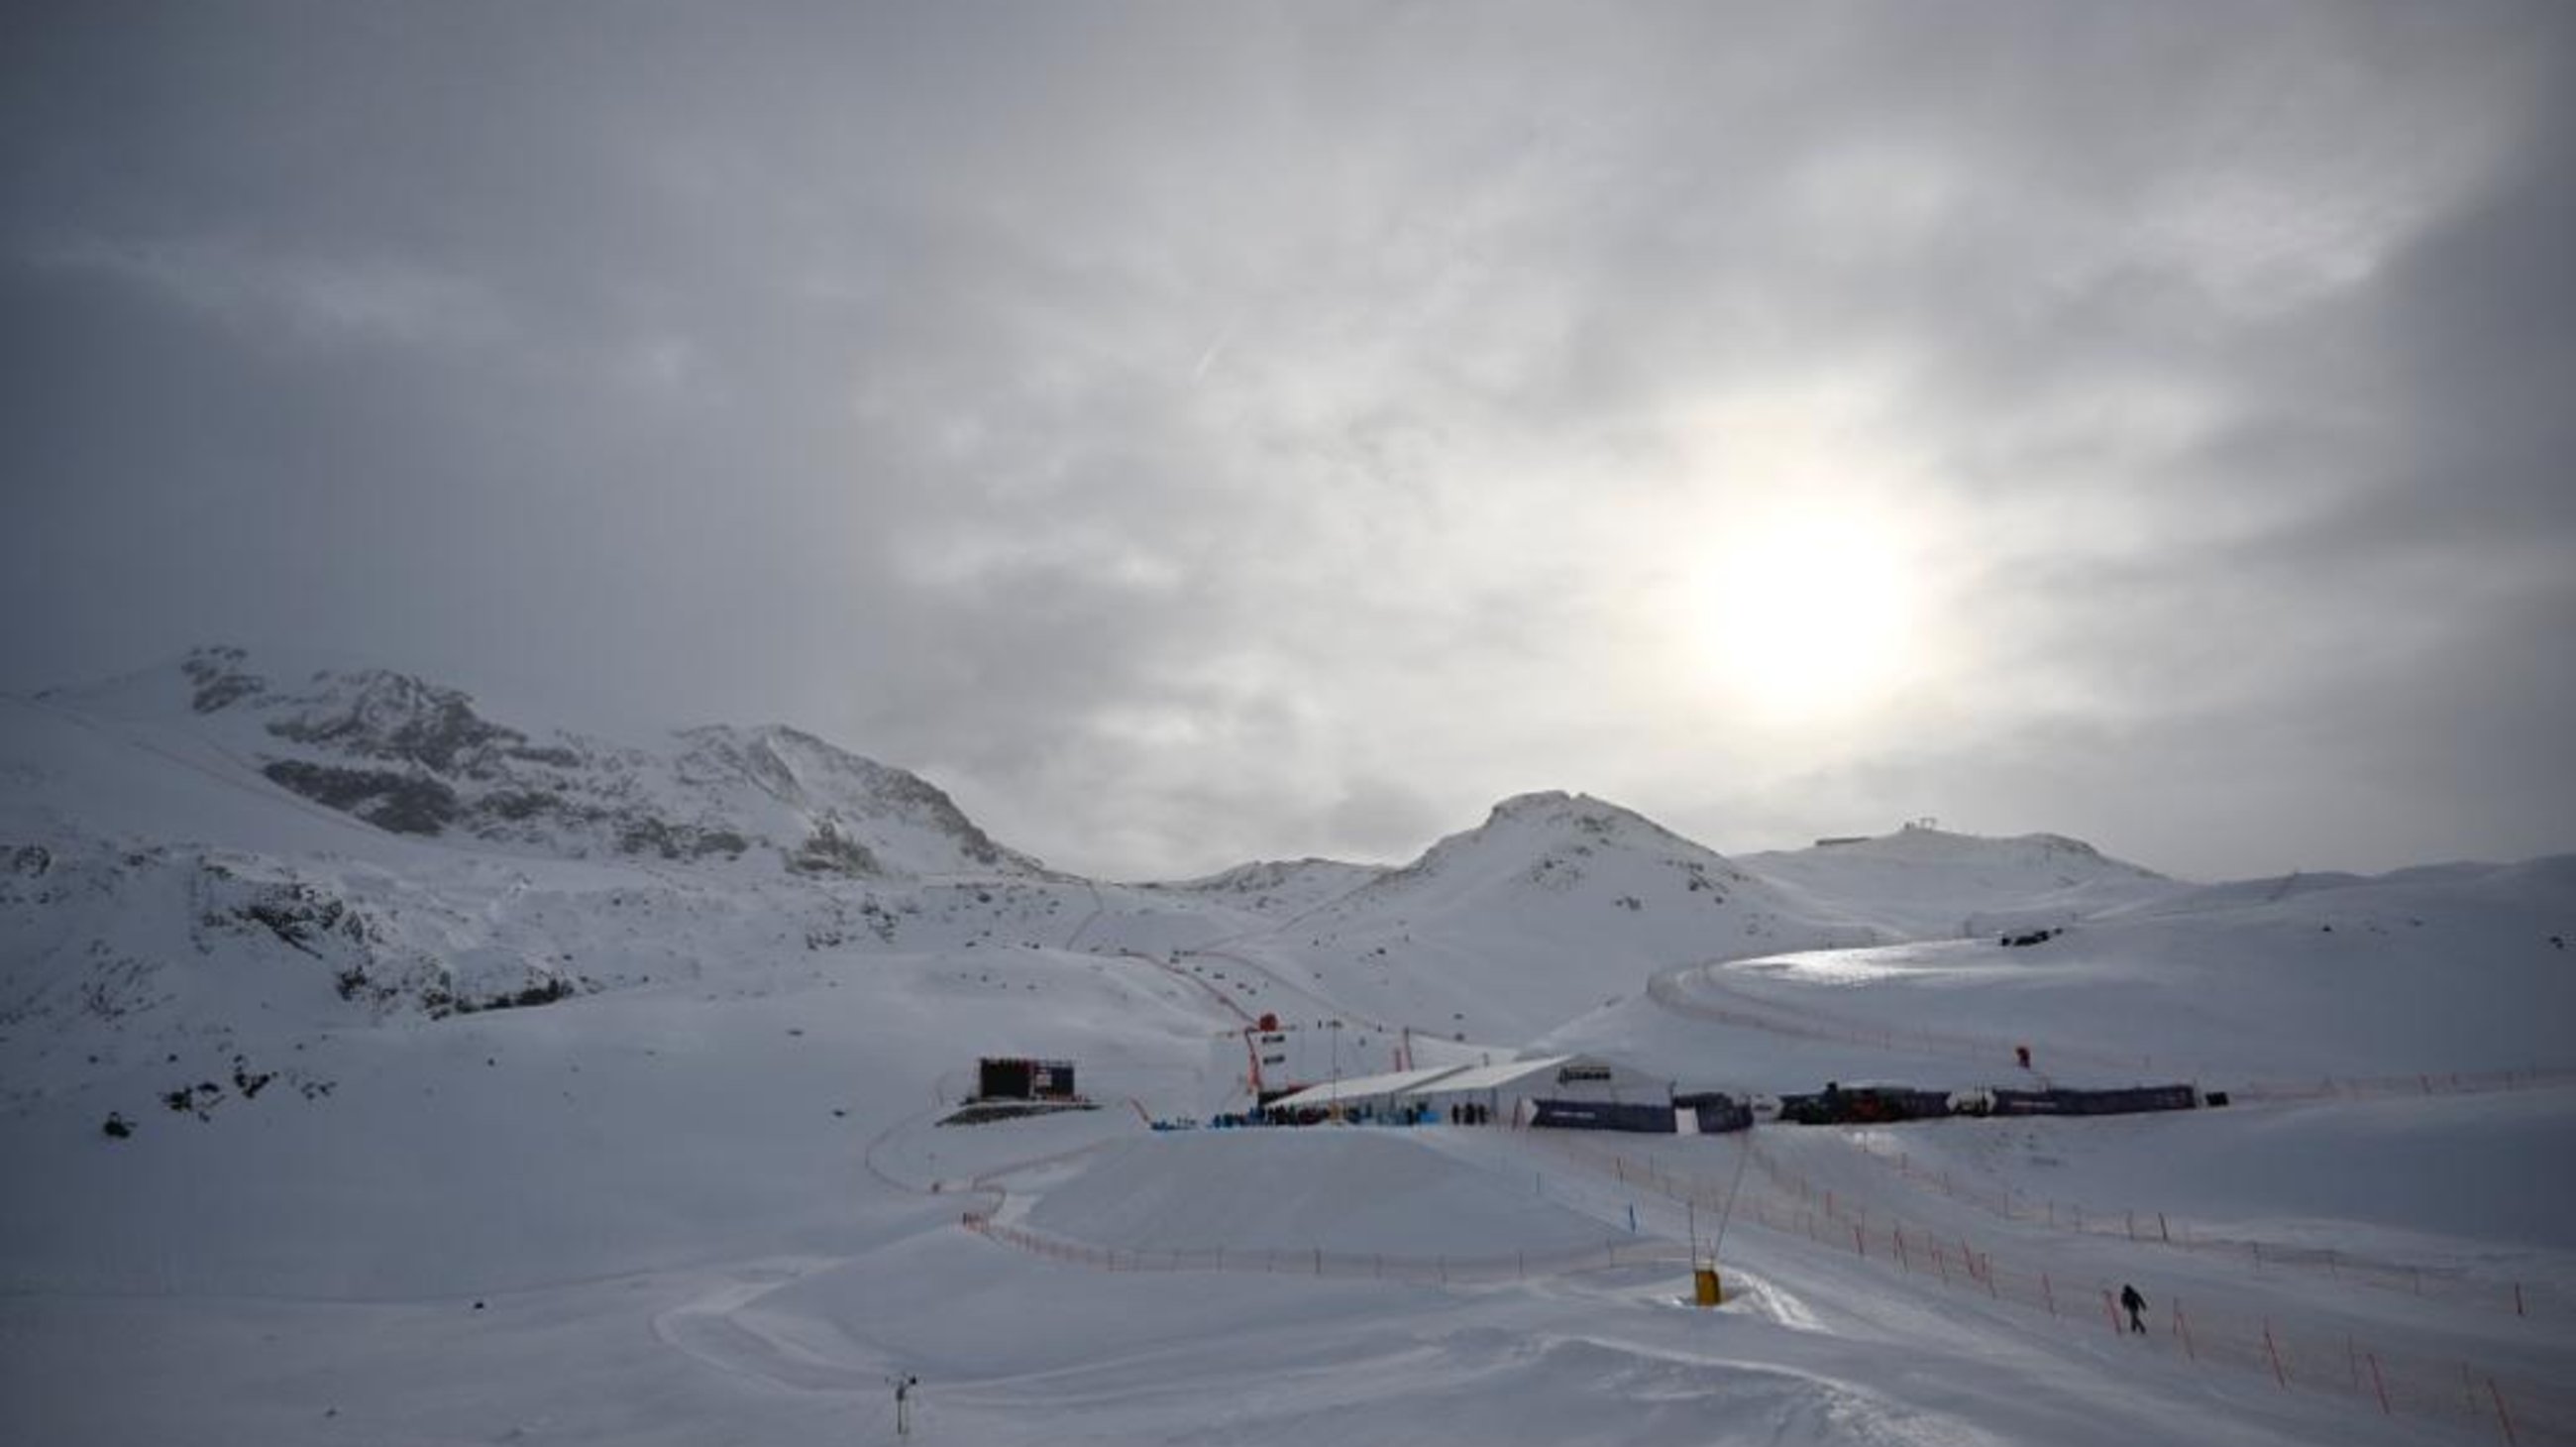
column 220, row 679
column 829, row 851
column 198, row 1100
column 298, row 914
column 519, row 804
column 396, row 802
column 558, row 756
column 679, row 841
column 395, row 716
column 414, row 757
column 544, row 992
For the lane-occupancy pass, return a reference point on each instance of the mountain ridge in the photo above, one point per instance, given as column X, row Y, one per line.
column 413, row 757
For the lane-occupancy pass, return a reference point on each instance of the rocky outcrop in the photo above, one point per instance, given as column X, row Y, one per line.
column 413, row 757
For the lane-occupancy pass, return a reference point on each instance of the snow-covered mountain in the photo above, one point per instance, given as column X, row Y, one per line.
column 455, row 1060
column 1279, row 888
column 413, row 757
column 1553, row 904
column 216, row 848
column 1924, row 882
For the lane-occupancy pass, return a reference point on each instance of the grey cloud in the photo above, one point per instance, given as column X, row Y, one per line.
column 1189, row 434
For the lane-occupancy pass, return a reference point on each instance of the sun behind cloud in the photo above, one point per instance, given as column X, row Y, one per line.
column 1808, row 615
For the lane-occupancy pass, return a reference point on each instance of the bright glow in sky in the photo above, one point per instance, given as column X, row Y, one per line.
column 1810, row 616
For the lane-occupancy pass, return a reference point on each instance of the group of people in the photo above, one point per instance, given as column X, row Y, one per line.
column 1465, row 1112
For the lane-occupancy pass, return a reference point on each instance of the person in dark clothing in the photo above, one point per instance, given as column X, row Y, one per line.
column 2130, row 1299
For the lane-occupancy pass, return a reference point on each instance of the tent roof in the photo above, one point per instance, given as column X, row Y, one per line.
column 1362, row 1087
column 1492, row 1077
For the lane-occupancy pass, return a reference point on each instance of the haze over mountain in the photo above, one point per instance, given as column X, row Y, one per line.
column 402, row 1008
column 430, row 855
column 1553, row 904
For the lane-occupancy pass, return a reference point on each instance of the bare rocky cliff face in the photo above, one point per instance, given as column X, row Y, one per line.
column 413, row 757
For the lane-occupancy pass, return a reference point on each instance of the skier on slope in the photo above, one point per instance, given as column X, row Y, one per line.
column 2135, row 1303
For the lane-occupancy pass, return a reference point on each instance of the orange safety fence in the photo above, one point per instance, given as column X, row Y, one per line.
column 2210, row 1333
column 2150, row 1226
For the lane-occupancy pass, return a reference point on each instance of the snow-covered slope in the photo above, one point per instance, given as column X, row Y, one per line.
column 1925, row 883
column 2463, row 968
column 530, row 1128
column 1277, row 888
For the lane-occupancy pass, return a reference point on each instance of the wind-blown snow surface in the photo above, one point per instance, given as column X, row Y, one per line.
column 1922, row 882
column 692, row 1191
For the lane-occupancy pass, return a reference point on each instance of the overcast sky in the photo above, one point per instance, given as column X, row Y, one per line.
column 1191, row 433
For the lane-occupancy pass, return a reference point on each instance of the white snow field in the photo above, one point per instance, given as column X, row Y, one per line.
column 485, row 1086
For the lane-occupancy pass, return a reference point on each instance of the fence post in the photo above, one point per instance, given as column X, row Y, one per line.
column 2162, row 1229
column 2517, row 1300
column 2182, row 1328
column 2274, row 1352
column 2503, row 1418
column 2378, row 1382
column 2110, row 1313
column 1319, row 1261
column 2047, row 1293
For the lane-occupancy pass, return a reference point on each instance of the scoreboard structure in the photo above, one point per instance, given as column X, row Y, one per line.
column 1018, row 1078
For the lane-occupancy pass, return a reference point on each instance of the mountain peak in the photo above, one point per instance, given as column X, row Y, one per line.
column 412, row 756
column 1921, row 843
column 833, row 789
column 1538, row 802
